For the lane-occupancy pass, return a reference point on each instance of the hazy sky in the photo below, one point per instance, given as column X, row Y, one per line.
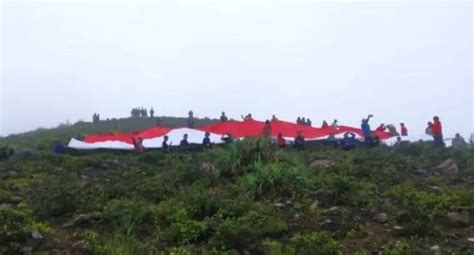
column 400, row 61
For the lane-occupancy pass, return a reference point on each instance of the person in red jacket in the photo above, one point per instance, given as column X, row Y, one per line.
column 381, row 128
column 403, row 129
column 281, row 141
column 138, row 144
column 437, row 132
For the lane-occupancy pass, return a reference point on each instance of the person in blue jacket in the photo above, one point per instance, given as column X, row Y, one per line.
column 366, row 131
column 349, row 142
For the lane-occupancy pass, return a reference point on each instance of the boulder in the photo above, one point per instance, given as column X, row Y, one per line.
column 33, row 239
column 315, row 204
column 448, row 166
column 381, row 218
column 209, row 168
column 8, row 174
column 334, row 210
column 83, row 219
column 459, row 219
column 321, row 163
column 279, row 205
column 81, row 246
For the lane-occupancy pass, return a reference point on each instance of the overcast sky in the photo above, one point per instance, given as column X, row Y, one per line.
column 400, row 61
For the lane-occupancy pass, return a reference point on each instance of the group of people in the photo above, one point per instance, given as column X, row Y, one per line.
column 348, row 142
column 303, row 121
column 141, row 112
column 95, row 117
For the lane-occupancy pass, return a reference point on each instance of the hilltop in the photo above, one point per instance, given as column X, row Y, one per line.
column 43, row 139
column 248, row 197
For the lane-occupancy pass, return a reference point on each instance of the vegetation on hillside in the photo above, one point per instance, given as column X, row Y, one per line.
column 44, row 139
column 248, row 197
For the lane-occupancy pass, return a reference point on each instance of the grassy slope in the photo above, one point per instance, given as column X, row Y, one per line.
column 45, row 138
column 246, row 197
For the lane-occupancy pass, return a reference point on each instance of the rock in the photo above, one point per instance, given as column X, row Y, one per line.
column 315, row 204
column 288, row 202
column 470, row 239
column 435, row 248
column 36, row 235
column 84, row 177
column 448, row 166
column 27, row 250
column 334, row 210
column 279, row 205
column 83, row 219
column 321, row 163
column 15, row 199
column 81, row 246
column 297, row 216
column 34, row 239
column 459, row 219
column 381, row 218
column 9, row 174
column 24, row 155
column 209, row 168
column 330, row 225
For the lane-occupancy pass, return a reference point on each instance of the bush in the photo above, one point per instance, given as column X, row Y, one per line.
column 398, row 248
column 15, row 222
column 274, row 179
column 56, row 196
column 418, row 209
column 316, row 243
column 247, row 231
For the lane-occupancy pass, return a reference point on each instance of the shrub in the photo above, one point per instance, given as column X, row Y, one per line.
column 398, row 248
column 418, row 209
column 14, row 222
column 274, row 179
column 247, row 231
column 55, row 196
column 316, row 243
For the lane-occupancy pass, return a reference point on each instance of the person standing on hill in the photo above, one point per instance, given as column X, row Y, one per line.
column 325, row 125
column 366, row 130
column 138, row 144
column 438, row 132
column 206, row 142
column 190, row 121
column 274, row 118
column 298, row 120
column 164, row 146
column 299, row 141
column 281, row 142
column 223, row 117
column 308, row 122
column 381, row 128
column 152, row 112
column 403, row 129
column 458, row 141
column 184, row 144
column 267, row 129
